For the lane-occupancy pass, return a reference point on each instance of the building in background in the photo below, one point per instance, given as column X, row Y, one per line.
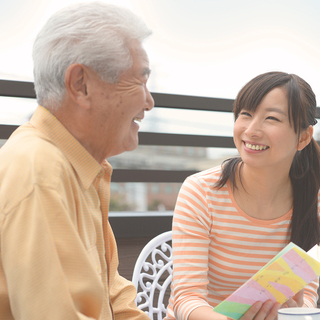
column 156, row 196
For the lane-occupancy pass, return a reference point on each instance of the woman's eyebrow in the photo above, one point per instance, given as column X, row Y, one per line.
column 274, row 109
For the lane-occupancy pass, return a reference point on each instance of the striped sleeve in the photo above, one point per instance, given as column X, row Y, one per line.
column 311, row 294
column 191, row 225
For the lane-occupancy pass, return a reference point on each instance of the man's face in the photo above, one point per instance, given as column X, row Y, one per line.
column 118, row 108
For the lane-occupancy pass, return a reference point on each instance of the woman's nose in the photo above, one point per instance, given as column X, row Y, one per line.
column 253, row 129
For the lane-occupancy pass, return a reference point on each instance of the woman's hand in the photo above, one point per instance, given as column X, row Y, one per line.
column 295, row 302
column 269, row 309
column 262, row 311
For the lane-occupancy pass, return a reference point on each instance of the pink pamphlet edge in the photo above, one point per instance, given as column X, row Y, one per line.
column 286, row 274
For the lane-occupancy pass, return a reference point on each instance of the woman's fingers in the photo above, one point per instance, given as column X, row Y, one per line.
column 261, row 311
column 269, row 309
column 298, row 298
column 290, row 304
column 254, row 309
column 273, row 312
column 295, row 301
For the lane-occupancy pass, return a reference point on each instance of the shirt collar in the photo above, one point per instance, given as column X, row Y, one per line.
column 86, row 167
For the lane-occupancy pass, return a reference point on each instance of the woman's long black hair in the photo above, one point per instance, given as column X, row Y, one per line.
column 305, row 169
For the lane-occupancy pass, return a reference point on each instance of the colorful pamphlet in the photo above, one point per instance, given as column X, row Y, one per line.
column 280, row 279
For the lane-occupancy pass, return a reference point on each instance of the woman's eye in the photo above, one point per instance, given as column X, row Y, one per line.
column 273, row 118
column 244, row 113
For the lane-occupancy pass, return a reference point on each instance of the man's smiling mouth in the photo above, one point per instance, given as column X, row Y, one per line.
column 137, row 119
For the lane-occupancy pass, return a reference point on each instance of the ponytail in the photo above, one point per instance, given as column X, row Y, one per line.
column 229, row 168
column 305, row 180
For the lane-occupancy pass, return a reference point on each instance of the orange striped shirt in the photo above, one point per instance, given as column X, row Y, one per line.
column 58, row 255
column 217, row 246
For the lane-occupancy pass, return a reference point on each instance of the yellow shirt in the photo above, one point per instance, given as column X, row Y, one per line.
column 58, row 255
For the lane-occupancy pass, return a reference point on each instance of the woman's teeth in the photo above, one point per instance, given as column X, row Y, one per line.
column 137, row 119
column 255, row 147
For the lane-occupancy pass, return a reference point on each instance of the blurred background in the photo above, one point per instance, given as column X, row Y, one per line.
column 206, row 48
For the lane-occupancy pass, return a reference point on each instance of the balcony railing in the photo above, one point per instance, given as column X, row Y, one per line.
column 122, row 223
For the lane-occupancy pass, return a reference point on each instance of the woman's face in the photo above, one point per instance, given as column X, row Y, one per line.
column 264, row 137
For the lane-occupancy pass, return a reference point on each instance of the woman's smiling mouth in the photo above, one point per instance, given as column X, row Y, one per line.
column 255, row 146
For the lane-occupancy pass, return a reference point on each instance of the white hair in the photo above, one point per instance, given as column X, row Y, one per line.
column 94, row 34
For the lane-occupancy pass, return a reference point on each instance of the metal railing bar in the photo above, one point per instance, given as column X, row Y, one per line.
column 24, row 89
column 129, row 175
column 167, row 139
column 17, row 89
column 177, row 101
column 6, row 130
column 159, row 139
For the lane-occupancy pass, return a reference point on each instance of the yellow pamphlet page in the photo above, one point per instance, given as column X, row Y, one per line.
column 285, row 275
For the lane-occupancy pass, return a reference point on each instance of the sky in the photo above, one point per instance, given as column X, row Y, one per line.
column 198, row 47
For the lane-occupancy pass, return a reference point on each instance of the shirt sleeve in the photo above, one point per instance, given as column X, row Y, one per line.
column 310, row 298
column 123, row 294
column 122, row 291
column 47, row 270
column 191, row 225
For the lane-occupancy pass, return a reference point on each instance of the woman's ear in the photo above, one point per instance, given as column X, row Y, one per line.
column 305, row 138
column 76, row 84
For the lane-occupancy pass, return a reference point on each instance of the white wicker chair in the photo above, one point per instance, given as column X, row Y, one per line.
column 152, row 275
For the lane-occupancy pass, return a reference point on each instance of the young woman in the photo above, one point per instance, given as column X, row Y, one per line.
column 229, row 221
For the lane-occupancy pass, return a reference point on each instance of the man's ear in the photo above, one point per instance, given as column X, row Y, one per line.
column 305, row 138
column 75, row 79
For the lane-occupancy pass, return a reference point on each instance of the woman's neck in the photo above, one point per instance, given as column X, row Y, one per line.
column 263, row 194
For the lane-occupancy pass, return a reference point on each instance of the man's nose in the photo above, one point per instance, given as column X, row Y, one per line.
column 149, row 101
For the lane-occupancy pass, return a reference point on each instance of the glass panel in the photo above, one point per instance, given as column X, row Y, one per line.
column 159, row 196
column 16, row 111
column 168, row 120
column 171, row 158
column 142, row 196
column 2, row 142
column 316, row 131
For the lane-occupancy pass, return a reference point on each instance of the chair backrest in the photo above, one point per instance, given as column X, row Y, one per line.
column 152, row 275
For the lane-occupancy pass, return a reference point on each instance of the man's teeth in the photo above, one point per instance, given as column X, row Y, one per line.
column 255, row 147
column 137, row 119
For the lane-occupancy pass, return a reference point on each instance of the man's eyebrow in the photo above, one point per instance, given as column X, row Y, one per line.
column 146, row 72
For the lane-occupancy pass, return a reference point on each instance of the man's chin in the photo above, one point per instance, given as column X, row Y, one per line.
column 132, row 145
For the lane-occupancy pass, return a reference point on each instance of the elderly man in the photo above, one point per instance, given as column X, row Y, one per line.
column 58, row 256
